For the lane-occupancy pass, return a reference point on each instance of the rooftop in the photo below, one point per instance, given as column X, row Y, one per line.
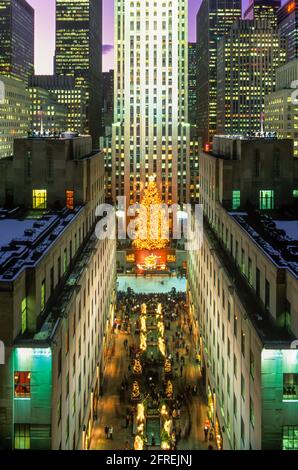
column 27, row 237
column 270, row 334
column 276, row 236
column 60, row 305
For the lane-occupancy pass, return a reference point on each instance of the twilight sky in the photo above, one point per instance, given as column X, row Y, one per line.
column 45, row 32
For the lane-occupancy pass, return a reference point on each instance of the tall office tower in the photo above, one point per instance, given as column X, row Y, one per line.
column 16, row 39
column 78, row 53
column 287, row 23
column 150, row 130
column 248, row 57
column 263, row 10
column 214, row 19
column 192, row 83
column 66, row 93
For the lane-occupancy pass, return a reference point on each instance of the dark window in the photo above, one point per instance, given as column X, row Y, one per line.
column 258, row 282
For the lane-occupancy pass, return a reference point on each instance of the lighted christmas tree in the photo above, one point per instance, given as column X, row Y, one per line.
column 152, row 221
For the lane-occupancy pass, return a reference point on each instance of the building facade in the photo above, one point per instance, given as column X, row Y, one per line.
column 46, row 114
column 281, row 106
column 214, row 19
column 242, row 289
column 150, row 130
column 63, row 89
column 192, row 83
column 14, row 114
column 263, row 10
column 16, row 39
column 57, row 295
column 287, row 23
column 248, row 57
column 78, row 54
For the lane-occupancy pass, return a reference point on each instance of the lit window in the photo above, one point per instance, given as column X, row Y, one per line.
column 295, row 193
column 22, row 436
column 236, row 200
column 22, row 385
column 290, row 438
column 70, row 199
column 43, row 296
column 39, row 199
column 266, row 199
column 24, row 315
column 290, row 387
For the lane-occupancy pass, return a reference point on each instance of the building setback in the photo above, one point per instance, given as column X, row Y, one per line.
column 214, row 19
column 57, row 293
column 78, row 54
column 150, row 130
column 248, row 56
column 16, row 39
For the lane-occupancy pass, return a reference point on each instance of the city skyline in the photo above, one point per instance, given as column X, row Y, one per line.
column 45, row 35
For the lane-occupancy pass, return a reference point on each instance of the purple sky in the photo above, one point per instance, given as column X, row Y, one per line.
column 45, row 27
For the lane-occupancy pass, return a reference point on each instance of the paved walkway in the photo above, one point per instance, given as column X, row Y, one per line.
column 115, row 404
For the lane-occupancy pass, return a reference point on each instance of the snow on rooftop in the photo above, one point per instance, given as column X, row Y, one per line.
column 13, row 228
column 289, row 226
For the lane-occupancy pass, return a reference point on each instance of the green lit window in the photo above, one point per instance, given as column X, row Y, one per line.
column 266, row 199
column 290, row 387
column 39, row 199
column 22, row 436
column 290, row 438
column 24, row 315
column 236, row 200
column 295, row 193
column 65, row 261
column 43, row 296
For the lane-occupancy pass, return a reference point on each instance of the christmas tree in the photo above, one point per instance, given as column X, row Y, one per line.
column 152, row 222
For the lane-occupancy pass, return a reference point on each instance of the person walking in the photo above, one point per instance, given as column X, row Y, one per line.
column 206, row 430
column 111, row 430
column 181, row 370
column 127, row 419
column 106, row 431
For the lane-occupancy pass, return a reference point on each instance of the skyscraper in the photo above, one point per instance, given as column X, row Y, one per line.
column 214, row 19
column 65, row 91
column 263, row 10
column 78, row 53
column 150, row 130
column 192, row 82
column 287, row 23
column 248, row 57
column 16, row 39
